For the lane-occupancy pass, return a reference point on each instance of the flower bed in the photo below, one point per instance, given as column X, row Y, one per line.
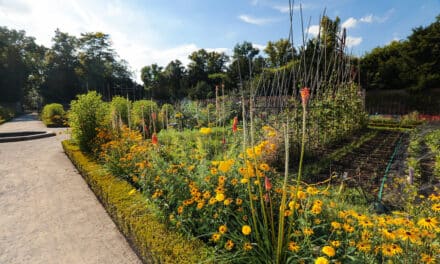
column 135, row 216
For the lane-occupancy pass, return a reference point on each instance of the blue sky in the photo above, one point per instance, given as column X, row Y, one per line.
column 158, row 31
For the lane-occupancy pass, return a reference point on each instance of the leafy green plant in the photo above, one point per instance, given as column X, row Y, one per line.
column 87, row 114
column 120, row 109
column 54, row 115
column 6, row 114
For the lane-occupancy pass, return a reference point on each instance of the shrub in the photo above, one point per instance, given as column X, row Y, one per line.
column 120, row 109
column 53, row 115
column 87, row 114
column 5, row 114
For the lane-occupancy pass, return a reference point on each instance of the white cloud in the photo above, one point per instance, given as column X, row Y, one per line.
column 253, row 20
column 353, row 41
column 313, row 30
column 286, row 8
column 350, row 23
column 367, row 19
column 259, row 46
column 133, row 34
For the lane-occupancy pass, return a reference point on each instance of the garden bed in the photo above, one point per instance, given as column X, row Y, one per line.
column 135, row 216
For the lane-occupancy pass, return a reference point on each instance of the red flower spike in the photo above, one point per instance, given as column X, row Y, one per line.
column 266, row 197
column 234, row 125
column 153, row 116
column 267, row 183
column 154, row 140
column 305, row 95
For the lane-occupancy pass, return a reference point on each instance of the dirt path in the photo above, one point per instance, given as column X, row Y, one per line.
column 47, row 212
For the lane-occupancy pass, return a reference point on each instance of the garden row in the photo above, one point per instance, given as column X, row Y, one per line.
column 231, row 183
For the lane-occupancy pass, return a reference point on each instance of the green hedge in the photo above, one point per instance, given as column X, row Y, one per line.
column 135, row 216
column 53, row 115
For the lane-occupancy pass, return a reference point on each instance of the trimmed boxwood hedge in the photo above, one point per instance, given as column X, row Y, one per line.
column 135, row 216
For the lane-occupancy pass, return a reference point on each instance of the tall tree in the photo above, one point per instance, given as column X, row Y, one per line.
column 279, row 53
column 60, row 68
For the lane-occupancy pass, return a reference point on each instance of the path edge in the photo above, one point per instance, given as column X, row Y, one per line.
column 135, row 216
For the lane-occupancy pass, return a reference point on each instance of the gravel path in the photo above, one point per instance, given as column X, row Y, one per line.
column 47, row 212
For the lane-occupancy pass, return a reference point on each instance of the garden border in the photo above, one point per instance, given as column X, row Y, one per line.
column 135, row 216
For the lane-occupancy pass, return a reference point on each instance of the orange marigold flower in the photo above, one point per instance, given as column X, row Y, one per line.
column 229, row 245
column 246, row 230
column 215, row 237
column 247, row 246
column 321, row 260
column 328, row 250
column 223, row 229
column 294, row 247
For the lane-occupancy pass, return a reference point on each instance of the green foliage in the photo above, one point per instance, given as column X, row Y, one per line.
column 136, row 217
column 145, row 112
column 120, row 108
column 412, row 63
column 53, row 115
column 6, row 114
column 87, row 114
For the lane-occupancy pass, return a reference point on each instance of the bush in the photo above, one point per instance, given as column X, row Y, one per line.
column 87, row 114
column 5, row 114
column 120, row 108
column 53, row 115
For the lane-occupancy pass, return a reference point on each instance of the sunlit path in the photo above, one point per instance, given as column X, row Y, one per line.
column 48, row 214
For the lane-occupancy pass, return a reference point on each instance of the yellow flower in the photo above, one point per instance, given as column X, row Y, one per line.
column 390, row 250
column 428, row 223
column 214, row 171
column 264, row 167
column 294, row 247
column 336, row 225
column 363, row 246
column 307, row 231
column 180, row 210
column 408, row 235
column 244, row 180
column 225, row 166
column 328, row 250
column 200, row 205
column 207, row 195
column 348, row 228
column 436, row 207
column 312, row 190
column 238, row 201
column 229, row 245
column 133, row 191
column 247, row 246
column 321, row 260
column 335, row 243
column 316, row 209
column 212, row 201
column 388, row 234
column 246, row 230
column 215, row 237
column 205, row 130
column 428, row 259
column 220, row 197
column 227, row 201
column 222, row 229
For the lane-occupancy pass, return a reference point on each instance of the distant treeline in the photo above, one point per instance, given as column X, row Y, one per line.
column 33, row 74
column 413, row 63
